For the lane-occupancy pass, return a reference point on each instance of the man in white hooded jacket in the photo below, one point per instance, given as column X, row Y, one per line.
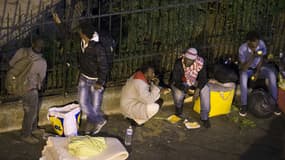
column 140, row 96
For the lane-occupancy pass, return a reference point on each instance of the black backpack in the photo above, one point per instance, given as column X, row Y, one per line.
column 109, row 44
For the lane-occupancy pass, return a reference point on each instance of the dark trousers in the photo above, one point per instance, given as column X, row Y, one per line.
column 31, row 111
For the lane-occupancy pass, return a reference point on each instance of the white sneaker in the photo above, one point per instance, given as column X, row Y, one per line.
column 99, row 127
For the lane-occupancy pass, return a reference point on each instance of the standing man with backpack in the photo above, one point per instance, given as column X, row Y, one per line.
column 32, row 83
column 94, row 68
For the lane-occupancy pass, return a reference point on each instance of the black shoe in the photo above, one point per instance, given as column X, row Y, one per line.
column 133, row 123
column 30, row 139
column 206, row 123
column 159, row 102
column 178, row 111
column 243, row 110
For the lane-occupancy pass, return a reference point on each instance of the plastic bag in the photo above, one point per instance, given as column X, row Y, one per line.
column 261, row 103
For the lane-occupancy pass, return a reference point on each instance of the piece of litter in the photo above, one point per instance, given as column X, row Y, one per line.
column 173, row 119
column 191, row 125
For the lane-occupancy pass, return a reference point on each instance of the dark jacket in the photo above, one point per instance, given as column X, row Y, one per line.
column 178, row 73
column 94, row 63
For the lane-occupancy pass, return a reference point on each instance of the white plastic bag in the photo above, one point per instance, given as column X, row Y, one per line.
column 65, row 120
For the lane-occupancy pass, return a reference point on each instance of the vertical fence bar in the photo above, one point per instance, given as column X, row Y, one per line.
column 144, row 28
column 3, row 14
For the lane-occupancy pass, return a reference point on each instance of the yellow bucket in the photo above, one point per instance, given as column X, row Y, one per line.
column 220, row 103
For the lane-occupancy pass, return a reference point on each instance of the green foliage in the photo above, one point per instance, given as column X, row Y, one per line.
column 242, row 122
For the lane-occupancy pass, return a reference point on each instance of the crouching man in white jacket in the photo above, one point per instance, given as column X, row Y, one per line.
column 140, row 96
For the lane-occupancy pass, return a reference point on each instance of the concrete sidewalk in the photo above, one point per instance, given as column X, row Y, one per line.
column 228, row 139
column 11, row 114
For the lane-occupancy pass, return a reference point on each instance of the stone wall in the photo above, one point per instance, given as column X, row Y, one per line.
column 11, row 114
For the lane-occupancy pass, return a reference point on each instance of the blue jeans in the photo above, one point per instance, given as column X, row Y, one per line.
column 179, row 96
column 90, row 100
column 265, row 72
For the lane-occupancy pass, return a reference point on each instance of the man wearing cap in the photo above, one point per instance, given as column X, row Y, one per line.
column 189, row 73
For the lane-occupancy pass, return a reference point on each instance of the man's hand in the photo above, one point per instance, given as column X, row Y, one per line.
column 56, row 18
column 165, row 91
column 254, row 76
column 190, row 92
column 98, row 86
column 155, row 81
column 196, row 94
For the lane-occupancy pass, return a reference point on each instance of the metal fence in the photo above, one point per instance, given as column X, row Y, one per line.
column 146, row 30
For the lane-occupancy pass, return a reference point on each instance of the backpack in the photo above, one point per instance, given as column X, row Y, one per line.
column 261, row 103
column 225, row 73
column 16, row 81
column 109, row 44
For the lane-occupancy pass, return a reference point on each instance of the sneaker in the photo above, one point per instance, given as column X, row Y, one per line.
column 30, row 139
column 243, row 111
column 159, row 102
column 277, row 112
column 99, row 127
column 38, row 131
column 179, row 111
column 89, row 128
column 206, row 123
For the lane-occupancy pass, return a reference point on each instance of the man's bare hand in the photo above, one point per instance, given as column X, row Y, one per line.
column 98, row 86
column 196, row 94
column 56, row 18
column 165, row 91
column 190, row 92
column 155, row 81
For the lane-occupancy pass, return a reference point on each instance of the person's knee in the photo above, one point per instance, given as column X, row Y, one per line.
column 205, row 90
column 152, row 109
column 272, row 77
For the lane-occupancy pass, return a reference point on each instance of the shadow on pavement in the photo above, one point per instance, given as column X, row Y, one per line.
column 271, row 146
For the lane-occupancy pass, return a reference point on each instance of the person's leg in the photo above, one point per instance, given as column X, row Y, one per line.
column 178, row 98
column 84, row 94
column 30, row 104
column 205, row 106
column 35, row 123
column 269, row 74
column 244, row 75
column 151, row 110
column 97, row 99
column 205, row 102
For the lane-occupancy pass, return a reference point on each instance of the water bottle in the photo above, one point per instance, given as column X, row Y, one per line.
column 129, row 135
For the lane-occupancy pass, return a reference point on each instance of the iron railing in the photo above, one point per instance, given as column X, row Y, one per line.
column 146, row 30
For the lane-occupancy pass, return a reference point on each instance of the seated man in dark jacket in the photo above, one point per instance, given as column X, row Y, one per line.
column 189, row 73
